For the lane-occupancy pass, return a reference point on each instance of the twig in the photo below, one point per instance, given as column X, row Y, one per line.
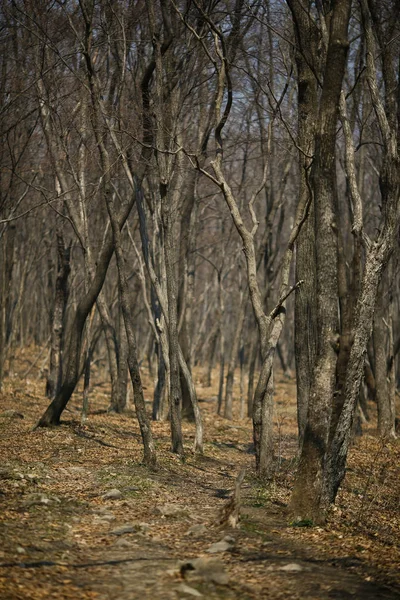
column 274, row 313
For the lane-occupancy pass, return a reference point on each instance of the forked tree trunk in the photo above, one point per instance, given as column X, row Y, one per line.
column 377, row 257
column 133, row 364
column 376, row 260
column 71, row 373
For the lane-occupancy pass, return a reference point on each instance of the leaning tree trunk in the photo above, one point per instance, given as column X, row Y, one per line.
column 378, row 253
column 126, row 305
column 71, row 373
column 376, row 259
column 133, row 364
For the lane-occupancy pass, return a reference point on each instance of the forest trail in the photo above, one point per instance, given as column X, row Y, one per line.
column 81, row 518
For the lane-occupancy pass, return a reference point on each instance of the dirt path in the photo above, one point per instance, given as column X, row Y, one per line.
column 81, row 518
column 103, row 548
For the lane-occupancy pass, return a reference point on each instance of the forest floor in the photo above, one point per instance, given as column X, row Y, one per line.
column 82, row 518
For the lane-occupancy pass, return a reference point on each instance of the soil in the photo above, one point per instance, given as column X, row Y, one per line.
column 82, row 518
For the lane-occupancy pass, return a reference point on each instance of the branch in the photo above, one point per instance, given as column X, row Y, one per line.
column 275, row 312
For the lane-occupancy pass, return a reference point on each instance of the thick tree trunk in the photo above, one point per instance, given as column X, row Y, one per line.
column 58, row 321
column 306, row 498
column 376, row 259
column 58, row 318
column 305, row 324
column 263, row 410
column 378, row 254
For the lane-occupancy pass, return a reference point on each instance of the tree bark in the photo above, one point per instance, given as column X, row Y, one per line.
column 239, row 321
column 305, row 326
column 59, row 307
column 306, row 497
column 170, row 261
column 384, row 392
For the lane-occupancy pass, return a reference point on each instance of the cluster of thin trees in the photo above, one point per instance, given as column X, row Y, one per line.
column 213, row 183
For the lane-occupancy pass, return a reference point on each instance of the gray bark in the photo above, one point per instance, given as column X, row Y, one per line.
column 58, row 318
column 306, row 497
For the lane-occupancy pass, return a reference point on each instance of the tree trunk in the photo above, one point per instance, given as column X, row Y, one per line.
column 253, row 355
column 70, row 378
column 185, row 293
column 305, row 324
column 376, row 259
column 170, row 261
column 122, row 379
column 306, row 498
column 59, row 307
column 384, row 395
column 239, row 321
column 6, row 269
column 211, row 355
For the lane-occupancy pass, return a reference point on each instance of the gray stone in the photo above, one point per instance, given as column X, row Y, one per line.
column 185, row 589
column 104, row 519
column 221, row 546
column 170, row 510
column 196, row 530
column 204, row 568
column 128, row 528
column 134, row 527
column 122, row 542
column 291, row 568
column 113, row 494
